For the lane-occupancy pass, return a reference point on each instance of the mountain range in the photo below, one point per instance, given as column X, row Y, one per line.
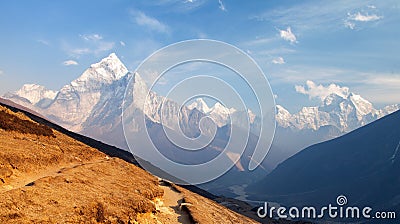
column 363, row 165
column 92, row 105
column 102, row 87
column 337, row 115
column 346, row 113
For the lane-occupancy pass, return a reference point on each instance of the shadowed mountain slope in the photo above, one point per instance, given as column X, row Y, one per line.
column 363, row 165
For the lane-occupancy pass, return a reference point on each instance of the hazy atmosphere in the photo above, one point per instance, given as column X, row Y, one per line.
column 200, row 111
column 350, row 44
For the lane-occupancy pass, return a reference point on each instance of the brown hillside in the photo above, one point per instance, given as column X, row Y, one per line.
column 49, row 177
column 11, row 122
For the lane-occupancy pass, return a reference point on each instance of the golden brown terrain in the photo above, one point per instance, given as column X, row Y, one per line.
column 49, row 177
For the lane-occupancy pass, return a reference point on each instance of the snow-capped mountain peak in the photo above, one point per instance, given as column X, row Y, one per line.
column 219, row 109
column 101, row 88
column 283, row 116
column 200, row 105
column 107, row 70
column 33, row 93
column 76, row 101
column 363, row 107
column 333, row 99
column 252, row 116
column 343, row 112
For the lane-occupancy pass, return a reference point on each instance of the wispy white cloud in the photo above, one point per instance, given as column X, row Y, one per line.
column 141, row 19
column 320, row 91
column 300, row 74
column 323, row 15
column 378, row 90
column 352, row 19
column 122, row 43
column 363, row 17
column 178, row 6
column 80, row 51
column 222, row 6
column 44, row 42
column 91, row 37
column 70, row 62
column 297, row 74
column 1, row 72
column 260, row 41
column 278, row 60
column 275, row 51
column 306, row 16
column 350, row 25
column 92, row 44
column 103, row 46
column 377, row 87
column 388, row 80
column 288, row 35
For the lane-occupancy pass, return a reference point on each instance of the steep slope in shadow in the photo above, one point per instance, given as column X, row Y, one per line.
column 363, row 165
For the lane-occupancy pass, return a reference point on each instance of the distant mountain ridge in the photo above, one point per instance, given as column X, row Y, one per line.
column 75, row 103
column 92, row 105
column 32, row 94
column 363, row 165
column 337, row 115
column 344, row 112
column 95, row 98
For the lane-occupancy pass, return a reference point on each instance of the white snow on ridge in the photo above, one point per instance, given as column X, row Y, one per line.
column 35, row 93
column 344, row 112
column 105, row 81
column 106, row 71
column 200, row 105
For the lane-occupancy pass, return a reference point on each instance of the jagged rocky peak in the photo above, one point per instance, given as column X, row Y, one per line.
column 388, row 110
column 362, row 105
column 106, row 71
column 333, row 99
column 203, row 107
column 219, row 109
column 200, row 105
column 113, row 65
column 283, row 116
column 345, row 111
column 33, row 93
column 281, row 110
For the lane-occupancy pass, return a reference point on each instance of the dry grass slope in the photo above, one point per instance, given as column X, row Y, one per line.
column 49, row 177
column 11, row 122
column 56, row 179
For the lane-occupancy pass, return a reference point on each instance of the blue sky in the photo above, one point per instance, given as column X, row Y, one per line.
column 351, row 44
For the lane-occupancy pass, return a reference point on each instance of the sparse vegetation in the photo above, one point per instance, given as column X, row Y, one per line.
column 63, row 180
column 11, row 122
